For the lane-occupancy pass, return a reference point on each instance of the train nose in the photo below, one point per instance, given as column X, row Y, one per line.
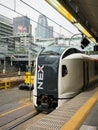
column 46, row 103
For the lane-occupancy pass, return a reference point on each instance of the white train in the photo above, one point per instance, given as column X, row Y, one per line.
column 61, row 73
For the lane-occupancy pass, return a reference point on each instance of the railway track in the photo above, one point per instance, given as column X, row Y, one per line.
column 11, row 125
column 16, row 110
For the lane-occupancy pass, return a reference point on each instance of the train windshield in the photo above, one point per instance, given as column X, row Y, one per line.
column 54, row 50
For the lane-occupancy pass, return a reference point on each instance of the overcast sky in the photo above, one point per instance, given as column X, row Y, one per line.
column 41, row 6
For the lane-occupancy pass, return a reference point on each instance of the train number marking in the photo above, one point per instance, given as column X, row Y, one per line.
column 40, row 76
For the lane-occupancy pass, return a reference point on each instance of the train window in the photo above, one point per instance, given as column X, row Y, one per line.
column 71, row 51
column 56, row 50
column 64, row 70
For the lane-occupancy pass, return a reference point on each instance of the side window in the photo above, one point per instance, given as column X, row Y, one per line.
column 64, row 70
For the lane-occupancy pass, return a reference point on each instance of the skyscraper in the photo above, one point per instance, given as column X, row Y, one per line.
column 21, row 25
column 50, row 31
column 23, row 29
column 43, row 30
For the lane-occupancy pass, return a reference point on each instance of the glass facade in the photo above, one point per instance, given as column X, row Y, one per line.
column 21, row 25
column 22, row 29
column 43, row 30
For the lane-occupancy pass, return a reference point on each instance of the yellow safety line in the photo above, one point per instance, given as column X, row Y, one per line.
column 76, row 121
column 14, row 110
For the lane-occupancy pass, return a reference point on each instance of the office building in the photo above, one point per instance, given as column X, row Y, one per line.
column 43, row 30
column 23, row 30
column 50, row 32
column 21, row 25
column 7, row 44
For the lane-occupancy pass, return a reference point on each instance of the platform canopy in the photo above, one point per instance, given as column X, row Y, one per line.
column 81, row 13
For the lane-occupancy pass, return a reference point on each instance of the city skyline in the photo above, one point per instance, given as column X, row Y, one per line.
column 42, row 7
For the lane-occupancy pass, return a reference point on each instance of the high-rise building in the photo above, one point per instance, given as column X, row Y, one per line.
column 23, row 29
column 7, row 44
column 21, row 25
column 43, row 30
column 50, row 32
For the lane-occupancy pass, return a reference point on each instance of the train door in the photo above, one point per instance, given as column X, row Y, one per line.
column 85, row 74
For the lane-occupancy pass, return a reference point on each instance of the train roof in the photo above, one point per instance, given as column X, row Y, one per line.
column 79, row 56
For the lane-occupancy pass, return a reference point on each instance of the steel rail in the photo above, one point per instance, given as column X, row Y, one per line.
column 21, row 121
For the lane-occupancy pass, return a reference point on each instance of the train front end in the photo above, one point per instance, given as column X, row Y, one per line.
column 45, row 93
column 46, row 84
column 52, row 77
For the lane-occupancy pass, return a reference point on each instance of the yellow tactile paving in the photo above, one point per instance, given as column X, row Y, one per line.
column 75, row 122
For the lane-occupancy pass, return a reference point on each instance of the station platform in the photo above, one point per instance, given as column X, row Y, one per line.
column 91, row 122
column 80, row 113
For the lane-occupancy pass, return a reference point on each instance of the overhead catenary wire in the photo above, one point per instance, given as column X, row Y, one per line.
column 46, row 16
column 27, row 17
